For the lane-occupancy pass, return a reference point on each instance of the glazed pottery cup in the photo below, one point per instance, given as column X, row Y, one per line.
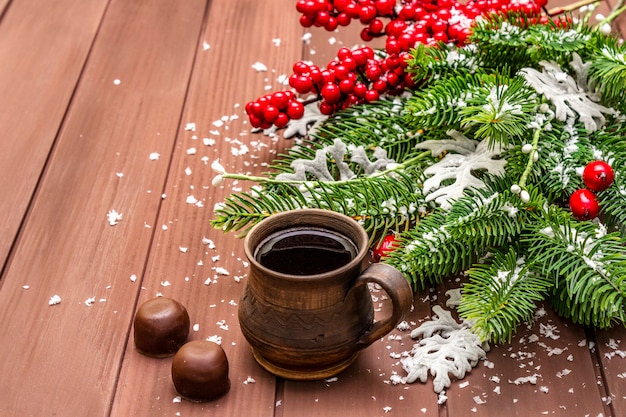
column 306, row 309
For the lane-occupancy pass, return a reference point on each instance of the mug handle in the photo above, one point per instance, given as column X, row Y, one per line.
column 397, row 288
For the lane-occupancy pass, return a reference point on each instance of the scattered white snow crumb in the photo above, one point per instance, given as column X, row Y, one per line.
column 222, row 324
column 333, row 379
column 549, row 330
column 424, row 410
column 478, row 400
column 208, row 242
column 442, row 398
column 26, row 287
column 464, row 384
column 221, row 271
column 259, row 67
column 183, row 249
column 249, row 380
column 133, row 278
column 54, row 300
column 564, row 372
column 119, row 174
column 215, row 339
column 403, row 326
column 187, row 171
column 544, row 389
column 190, row 127
column 177, row 399
column 205, row 46
column 191, row 199
column 332, row 40
column 276, row 41
column 192, row 151
column 113, row 217
column 532, row 379
column 89, row 302
column 117, row 81
column 154, row 156
column 387, row 409
column 497, row 390
column 495, row 379
column 209, row 141
column 307, row 37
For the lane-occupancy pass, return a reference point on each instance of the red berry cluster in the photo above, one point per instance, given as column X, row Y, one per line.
column 359, row 76
column 597, row 176
column 274, row 109
column 353, row 77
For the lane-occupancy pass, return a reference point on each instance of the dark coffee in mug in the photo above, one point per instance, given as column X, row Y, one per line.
column 305, row 251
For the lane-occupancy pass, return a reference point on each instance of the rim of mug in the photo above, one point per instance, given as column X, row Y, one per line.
column 362, row 244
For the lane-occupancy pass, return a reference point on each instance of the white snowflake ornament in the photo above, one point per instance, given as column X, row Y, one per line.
column 446, row 348
column 470, row 156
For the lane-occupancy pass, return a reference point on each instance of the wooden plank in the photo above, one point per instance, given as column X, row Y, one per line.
column 43, row 47
column 611, row 349
column 365, row 388
column 237, row 35
column 64, row 359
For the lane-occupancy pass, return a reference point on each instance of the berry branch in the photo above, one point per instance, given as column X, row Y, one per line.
column 363, row 75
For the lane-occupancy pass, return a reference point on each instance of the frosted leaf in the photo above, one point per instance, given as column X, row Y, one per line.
column 569, row 96
column 337, row 152
column 458, row 144
column 380, row 160
column 459, row 167
column 307, row 124
column 446, row 348
column 318, row 166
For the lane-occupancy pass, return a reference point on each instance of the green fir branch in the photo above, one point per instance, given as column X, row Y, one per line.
column 608, row 70
column 446, row 243
column 501, row 294
column 587, row 264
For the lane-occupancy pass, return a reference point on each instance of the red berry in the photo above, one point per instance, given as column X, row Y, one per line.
column 281, row 120
column 388, row 245
column 331, row 93
column 598, row 176
column 295, row 110
column 584, row 205
column 371, row 96
column 280, row 100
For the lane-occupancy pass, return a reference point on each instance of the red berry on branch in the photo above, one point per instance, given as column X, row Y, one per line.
column 388, row 245
column 598, row 176
column 584, row 205
column 331, row 93
column 295, row 110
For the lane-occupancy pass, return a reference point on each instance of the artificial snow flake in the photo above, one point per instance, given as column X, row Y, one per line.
column 54, row 300
column 259, row 67
column 568, row 96
column 446, row 348
column 460, row 167
column 113, row 217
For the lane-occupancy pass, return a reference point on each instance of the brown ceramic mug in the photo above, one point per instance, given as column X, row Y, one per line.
column 306, row 310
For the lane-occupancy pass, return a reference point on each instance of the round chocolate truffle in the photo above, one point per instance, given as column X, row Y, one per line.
column 200, row 371
column 161, row 327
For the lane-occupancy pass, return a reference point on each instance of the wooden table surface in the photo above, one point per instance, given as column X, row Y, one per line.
column 123, row 105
